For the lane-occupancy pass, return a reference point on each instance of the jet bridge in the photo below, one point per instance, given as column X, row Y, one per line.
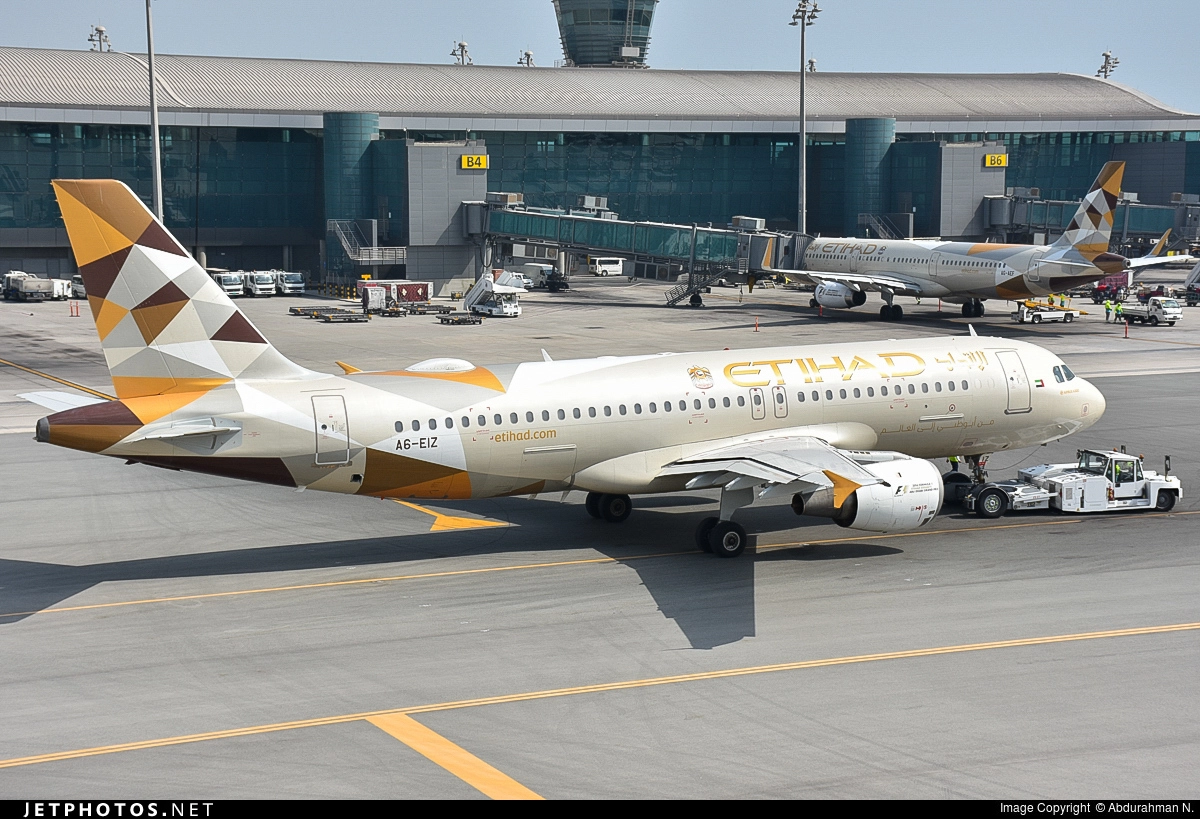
column 706, row 253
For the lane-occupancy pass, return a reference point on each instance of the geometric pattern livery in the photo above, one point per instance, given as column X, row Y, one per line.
column 165, row 326
column 1091, row 228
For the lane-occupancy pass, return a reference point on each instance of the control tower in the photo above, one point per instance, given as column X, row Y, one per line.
column 605, row 33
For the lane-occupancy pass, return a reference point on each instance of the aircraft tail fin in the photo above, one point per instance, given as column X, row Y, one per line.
column 1160, row 245
column 1091, row 229
column 165, row 326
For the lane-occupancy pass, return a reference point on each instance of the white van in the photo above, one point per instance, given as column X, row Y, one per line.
column 607, row 267
column 78, row 291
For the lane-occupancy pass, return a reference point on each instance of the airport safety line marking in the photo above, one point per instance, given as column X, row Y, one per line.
column 457, row 760
column 62, row 381
column 598, row 688
column 450, row 523
column 356, row 582
column 563, row 563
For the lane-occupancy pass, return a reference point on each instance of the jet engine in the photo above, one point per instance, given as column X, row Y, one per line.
column 836, row 294
column 909, row 497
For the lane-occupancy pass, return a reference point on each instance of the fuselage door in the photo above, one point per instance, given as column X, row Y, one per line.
column 333, row 429
column 852, row 259
column 758, row 406
column 779, row 401
column 935, row 259
column 1017, row 381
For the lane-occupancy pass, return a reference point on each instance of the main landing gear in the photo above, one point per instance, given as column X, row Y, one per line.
column 891, row 312
column 973, row 309
column 718, row 535
column 613, row 508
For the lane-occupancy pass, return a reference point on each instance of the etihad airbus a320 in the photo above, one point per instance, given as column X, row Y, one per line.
column 841, row 429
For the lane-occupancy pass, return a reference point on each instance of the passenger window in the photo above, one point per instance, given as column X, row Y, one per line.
column 816, row 396
column 545, row 415
column 883, row 391
column 575, row 413
column 466, row 421
column 828, row 395
column 697, row 405
column 857, row 392
column 870, row 392
column 416, row 426
column 741, row 400
column 683, row 406
column 950, row 384
column 482, row 420
column 513, row 418
column 925, row 386
column 449, row 423
column 499, row 419
column 621, row 409
column 800, row 396
column 607, row 411
column 529, row 417
column 653, row 407
column 637, row 409
column 399, row 426
column 725, row 401
column 912, row 389
column 591, row 412
column 842, row 394
column 712, row 403
column 937, row 386
column 666, row 406
column 562, row 416
column 964, row 384
column 432, row 424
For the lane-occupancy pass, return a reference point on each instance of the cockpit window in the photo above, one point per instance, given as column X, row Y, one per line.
column 1067, row 372
column 1058, row 375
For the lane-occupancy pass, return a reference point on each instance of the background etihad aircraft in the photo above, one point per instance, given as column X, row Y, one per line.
column 966, row 272
column 841, row 429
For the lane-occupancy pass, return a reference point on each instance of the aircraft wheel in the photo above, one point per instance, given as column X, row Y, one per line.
column 727, row 539
column 956, row 485
column 1165, row 501
column 592, row 504
column 615, row 508
column 968, row 309
column 991, row 503
column 897, row 312
column 885, row 313
column 812, row 302
column 703, row 531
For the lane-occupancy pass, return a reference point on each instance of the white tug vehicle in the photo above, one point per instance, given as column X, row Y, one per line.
column 1100, row 481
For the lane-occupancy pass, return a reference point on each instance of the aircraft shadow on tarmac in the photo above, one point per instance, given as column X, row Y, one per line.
column 712, row 601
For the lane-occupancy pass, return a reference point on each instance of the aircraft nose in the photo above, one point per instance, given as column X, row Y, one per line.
column 1093, row 403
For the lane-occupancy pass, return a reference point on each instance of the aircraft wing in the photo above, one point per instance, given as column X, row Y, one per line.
column 56, row 401
column 784, row 461
column 1154, row 261
column 859, row 281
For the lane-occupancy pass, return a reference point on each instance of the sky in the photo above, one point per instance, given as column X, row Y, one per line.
column 1149, row 37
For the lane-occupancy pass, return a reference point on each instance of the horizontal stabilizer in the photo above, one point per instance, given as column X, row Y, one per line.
column 57, row 401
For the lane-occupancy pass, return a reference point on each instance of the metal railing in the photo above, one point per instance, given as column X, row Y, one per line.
column 356, row 248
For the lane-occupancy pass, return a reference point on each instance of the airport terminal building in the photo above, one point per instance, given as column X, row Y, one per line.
column 260, row 156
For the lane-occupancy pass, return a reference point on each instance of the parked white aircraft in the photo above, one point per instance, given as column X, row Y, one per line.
column 843, row 270
column 840, row 429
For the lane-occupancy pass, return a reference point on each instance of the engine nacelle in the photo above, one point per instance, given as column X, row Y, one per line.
column 836, row 294
column 909, row 498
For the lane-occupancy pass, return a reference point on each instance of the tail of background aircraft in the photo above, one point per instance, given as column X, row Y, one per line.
column 165, row 326
column 1160, row 245
column 1091, row 229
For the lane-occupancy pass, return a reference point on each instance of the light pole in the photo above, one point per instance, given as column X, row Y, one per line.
column 804, row 16
column 156, row 148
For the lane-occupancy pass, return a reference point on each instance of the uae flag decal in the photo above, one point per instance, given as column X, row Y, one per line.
column 1039, row 383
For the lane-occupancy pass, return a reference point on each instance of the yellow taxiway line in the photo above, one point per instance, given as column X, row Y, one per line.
column 592, row 561
column 442, row 752
column 62, row 381
column 450, row 523
column 623, row 685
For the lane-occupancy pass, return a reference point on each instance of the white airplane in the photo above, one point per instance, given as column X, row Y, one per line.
column 843, row 270
column 840, row 429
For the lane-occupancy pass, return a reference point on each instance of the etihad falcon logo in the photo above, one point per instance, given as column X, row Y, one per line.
column 701, row 377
